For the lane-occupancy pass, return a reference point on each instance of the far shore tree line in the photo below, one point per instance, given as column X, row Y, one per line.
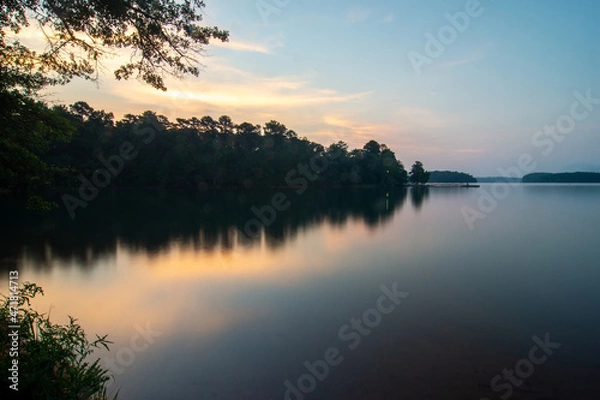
column 451, row 177
column 84, row 146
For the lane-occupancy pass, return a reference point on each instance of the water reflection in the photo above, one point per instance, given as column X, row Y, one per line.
column 418, row 194
column 240, row 315
column 152, row 221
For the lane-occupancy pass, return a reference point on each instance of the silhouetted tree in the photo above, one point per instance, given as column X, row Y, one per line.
column 451, row 177
column 28, row 131
column 274, row 128
column 418, row 175
column 372, row 148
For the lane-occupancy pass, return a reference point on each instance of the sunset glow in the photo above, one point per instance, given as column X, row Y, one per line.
column 343, row 69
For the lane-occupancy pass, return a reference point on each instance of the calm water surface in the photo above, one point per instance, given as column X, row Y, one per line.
column 224, row 315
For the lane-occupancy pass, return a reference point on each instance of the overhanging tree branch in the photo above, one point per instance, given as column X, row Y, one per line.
column 166, row 33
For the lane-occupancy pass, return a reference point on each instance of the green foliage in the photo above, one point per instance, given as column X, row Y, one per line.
column 418, row 175
column 451, row 177
column 274, row 128
column 53, row 360
column 376, row 164
column 29, row 129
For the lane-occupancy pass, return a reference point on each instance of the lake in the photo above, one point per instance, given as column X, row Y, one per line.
column 430, row 293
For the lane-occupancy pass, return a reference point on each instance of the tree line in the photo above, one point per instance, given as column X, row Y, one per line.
column 71, row 146
column 451, row 177
column 87, row 146
column 565, row 177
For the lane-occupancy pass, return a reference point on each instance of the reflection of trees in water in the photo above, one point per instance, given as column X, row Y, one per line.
column 418, row 195
column 151, row 222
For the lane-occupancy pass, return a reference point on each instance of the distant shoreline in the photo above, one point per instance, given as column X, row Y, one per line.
column 545, row 177
column 565, row 177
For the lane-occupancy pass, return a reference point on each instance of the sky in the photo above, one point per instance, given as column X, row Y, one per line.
column 474, row 86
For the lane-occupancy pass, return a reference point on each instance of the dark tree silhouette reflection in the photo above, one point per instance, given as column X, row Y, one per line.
column 418, row 195
column 152, row 221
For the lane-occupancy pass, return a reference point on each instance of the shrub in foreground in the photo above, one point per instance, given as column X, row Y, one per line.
column 54, row 361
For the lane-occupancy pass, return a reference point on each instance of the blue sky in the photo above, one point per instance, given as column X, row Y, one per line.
column 340, row 70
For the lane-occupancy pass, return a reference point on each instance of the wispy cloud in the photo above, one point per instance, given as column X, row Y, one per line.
column 389, row 18
column 405, row 133
column 356, row 132
column 477, row 55
column 253, row 97
column 232, row 90
column 357, row 14
column 462, row 61
column 238, row 45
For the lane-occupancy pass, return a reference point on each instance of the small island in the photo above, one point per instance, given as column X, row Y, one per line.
column 451, row 177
